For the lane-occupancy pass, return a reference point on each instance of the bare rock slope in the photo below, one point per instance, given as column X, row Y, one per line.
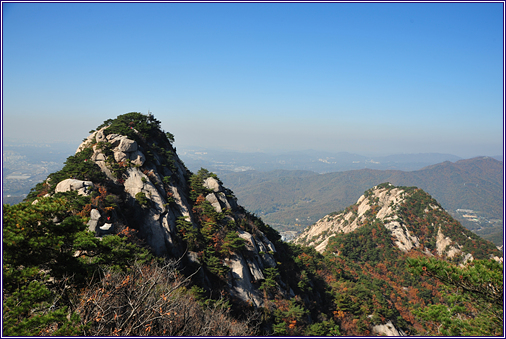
column 415, row 220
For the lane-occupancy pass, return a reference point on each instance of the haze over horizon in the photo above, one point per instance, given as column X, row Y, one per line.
column 365, row 78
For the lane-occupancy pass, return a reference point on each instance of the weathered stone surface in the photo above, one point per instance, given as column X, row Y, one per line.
column 267, row 258
column 127, row 145
column 99, row 135
column 218, row 201
column 193, row 257
column 385, row 199
column 253, row 259
column 222, row 198
column 249, row 241
column 137, row 158
column 442, row 242
column 97, row 156
column 115, row 139
column 154, row 233
column 213, row 199
column 120, row 156
column 241, row 280
column 255, row 269
column 82, row 187
column 94, row 217
column 134, row 184
column 180, row 201
column 388, row 330
column 106, row 229
column 213, row 184
column 157, row 221
column 267, row 242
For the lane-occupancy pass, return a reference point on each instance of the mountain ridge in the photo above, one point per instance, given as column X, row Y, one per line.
column 387, row 203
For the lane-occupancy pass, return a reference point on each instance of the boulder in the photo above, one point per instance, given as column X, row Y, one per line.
column 99, row 136
column 223, row 200
column 213, row 199
column 82, row 187
column 218, row 201
column 193, row 258
column 120, row 156
column 115, row 139
column 388, row 330
column 106, row 228
column 213, row 184
column 126, row 145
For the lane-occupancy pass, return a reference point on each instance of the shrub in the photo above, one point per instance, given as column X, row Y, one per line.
column 142, row 199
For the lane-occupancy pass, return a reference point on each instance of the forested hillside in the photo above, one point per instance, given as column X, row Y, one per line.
column 125, row 241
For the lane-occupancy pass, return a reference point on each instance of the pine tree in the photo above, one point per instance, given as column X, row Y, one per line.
column 474, row 294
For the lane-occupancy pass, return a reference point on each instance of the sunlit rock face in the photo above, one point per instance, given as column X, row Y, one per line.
column 385, row 203
column 166, row 193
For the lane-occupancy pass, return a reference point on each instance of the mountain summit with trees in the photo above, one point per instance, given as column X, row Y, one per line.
column 124, row 240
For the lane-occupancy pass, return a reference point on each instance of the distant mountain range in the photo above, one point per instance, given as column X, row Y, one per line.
column 221, row 161
column 293, row 200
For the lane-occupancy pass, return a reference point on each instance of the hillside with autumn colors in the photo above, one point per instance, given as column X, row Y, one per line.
column 124, row 240
column 293, row 200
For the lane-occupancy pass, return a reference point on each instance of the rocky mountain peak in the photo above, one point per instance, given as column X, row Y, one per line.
column 134, row 179
column 414, row 219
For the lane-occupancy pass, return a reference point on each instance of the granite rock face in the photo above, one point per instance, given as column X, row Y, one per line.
column 82, row 187
column 155, row 189
column 384, row 203
column 94, row 218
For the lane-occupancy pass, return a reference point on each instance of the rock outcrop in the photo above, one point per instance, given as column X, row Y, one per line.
column 385, row 200
column 82, row 187
column 152, row 186
column 388, row 330
column 428, row 230
column 94, row 218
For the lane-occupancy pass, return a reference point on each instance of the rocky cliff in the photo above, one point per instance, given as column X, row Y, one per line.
column 136, row 181
column 414, row 219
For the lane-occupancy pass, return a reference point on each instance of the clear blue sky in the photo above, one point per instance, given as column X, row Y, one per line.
column 358, row 77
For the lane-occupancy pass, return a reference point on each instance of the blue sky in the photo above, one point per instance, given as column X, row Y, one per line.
column 368, row 78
